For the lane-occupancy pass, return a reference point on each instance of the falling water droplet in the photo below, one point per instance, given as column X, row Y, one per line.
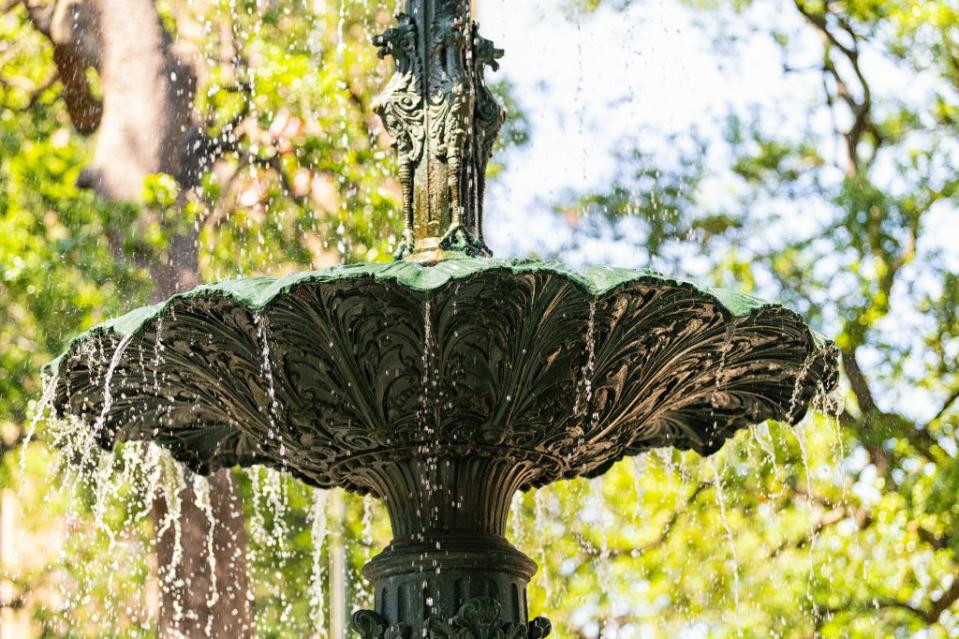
column 516, row 519
column 157, row 355
column 369, row 504
column 800, row 433
column 721, row 502
column 426, row 361
column 201, row 490
column 45, row 403
column 266, row 367
column 585, row 396
column 319, row 531
column 543, row 524
column 172, row 489
column 107, row 391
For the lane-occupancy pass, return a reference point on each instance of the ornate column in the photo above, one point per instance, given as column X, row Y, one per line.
column 444, row 121
column 449, row 569
column 449, row 573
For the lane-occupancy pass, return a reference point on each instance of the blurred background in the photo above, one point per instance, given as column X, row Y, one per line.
column 799, row 150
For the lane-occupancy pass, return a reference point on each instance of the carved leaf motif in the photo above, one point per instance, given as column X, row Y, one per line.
column 507, row 371
column 368, row 624
column 437, row 628
column 401, row 103
column 481, row 611
column 397, row 631
column 539, row 628
column 479, row 618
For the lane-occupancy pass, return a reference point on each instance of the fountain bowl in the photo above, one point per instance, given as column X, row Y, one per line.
column 333, row 374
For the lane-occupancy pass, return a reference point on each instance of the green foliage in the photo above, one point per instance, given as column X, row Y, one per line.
column 834, row 530
column 57, row 272
column 303, row 180
column 658, row 196
column 866, row 548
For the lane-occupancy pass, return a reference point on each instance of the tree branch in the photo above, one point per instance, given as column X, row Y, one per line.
column 936, row 541
column 830, row 514
column 667, row 528
column 818, row 20
column 945, row 601
column 929, row 615
column 277, row 166
column 860, row 108
column 858, row 382
column 946, row 406
column 661, row 538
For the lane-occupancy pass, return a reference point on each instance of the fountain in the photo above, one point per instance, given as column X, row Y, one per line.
column 444, row 382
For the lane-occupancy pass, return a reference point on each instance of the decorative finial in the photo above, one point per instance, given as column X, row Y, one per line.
column 444, row 120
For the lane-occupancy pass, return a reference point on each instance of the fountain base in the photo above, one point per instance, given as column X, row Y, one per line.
column 450, row 562
column 471, row 579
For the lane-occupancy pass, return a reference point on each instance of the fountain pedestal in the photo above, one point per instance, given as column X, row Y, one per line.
column 449, row 566
column 420, row 584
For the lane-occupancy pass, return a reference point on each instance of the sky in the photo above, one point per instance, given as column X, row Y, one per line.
column 594, row 83
column 599, row 82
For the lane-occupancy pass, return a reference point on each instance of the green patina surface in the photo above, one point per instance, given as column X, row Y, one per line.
column 580, row 367
column 258, row 292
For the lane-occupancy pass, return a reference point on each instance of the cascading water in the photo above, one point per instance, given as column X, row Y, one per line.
column 418, row 419
column 318, row 534
column 724, row 518
column 107, row 390
column 40, row 412
column 584, row 401
column 267, row 370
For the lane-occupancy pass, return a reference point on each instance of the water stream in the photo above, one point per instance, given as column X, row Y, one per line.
column 542, row 518
column 428, row 379
column 40, row 411
column 266, row 367
column 172, row 488
column 585, row 396
column 157, row 355
column 201, row 491
column 319, row 531
column 270, row 535
column 724, row 518
column 107, row 391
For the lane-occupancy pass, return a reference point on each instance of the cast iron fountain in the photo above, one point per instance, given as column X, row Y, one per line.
column 446, row 381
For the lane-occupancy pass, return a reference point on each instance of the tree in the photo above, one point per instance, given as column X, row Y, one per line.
column 834, row 530
column 123, row 80
column 148, row 147
column 868, row 269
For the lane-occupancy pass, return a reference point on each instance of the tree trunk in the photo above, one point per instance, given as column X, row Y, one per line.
column 146, row 125
column 193, row 604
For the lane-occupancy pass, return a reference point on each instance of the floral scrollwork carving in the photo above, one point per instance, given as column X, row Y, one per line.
column 477, row 619
column 369, row 624
column 401, row 108
column 480, row 619
column 488, row 119
column 444, row 121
